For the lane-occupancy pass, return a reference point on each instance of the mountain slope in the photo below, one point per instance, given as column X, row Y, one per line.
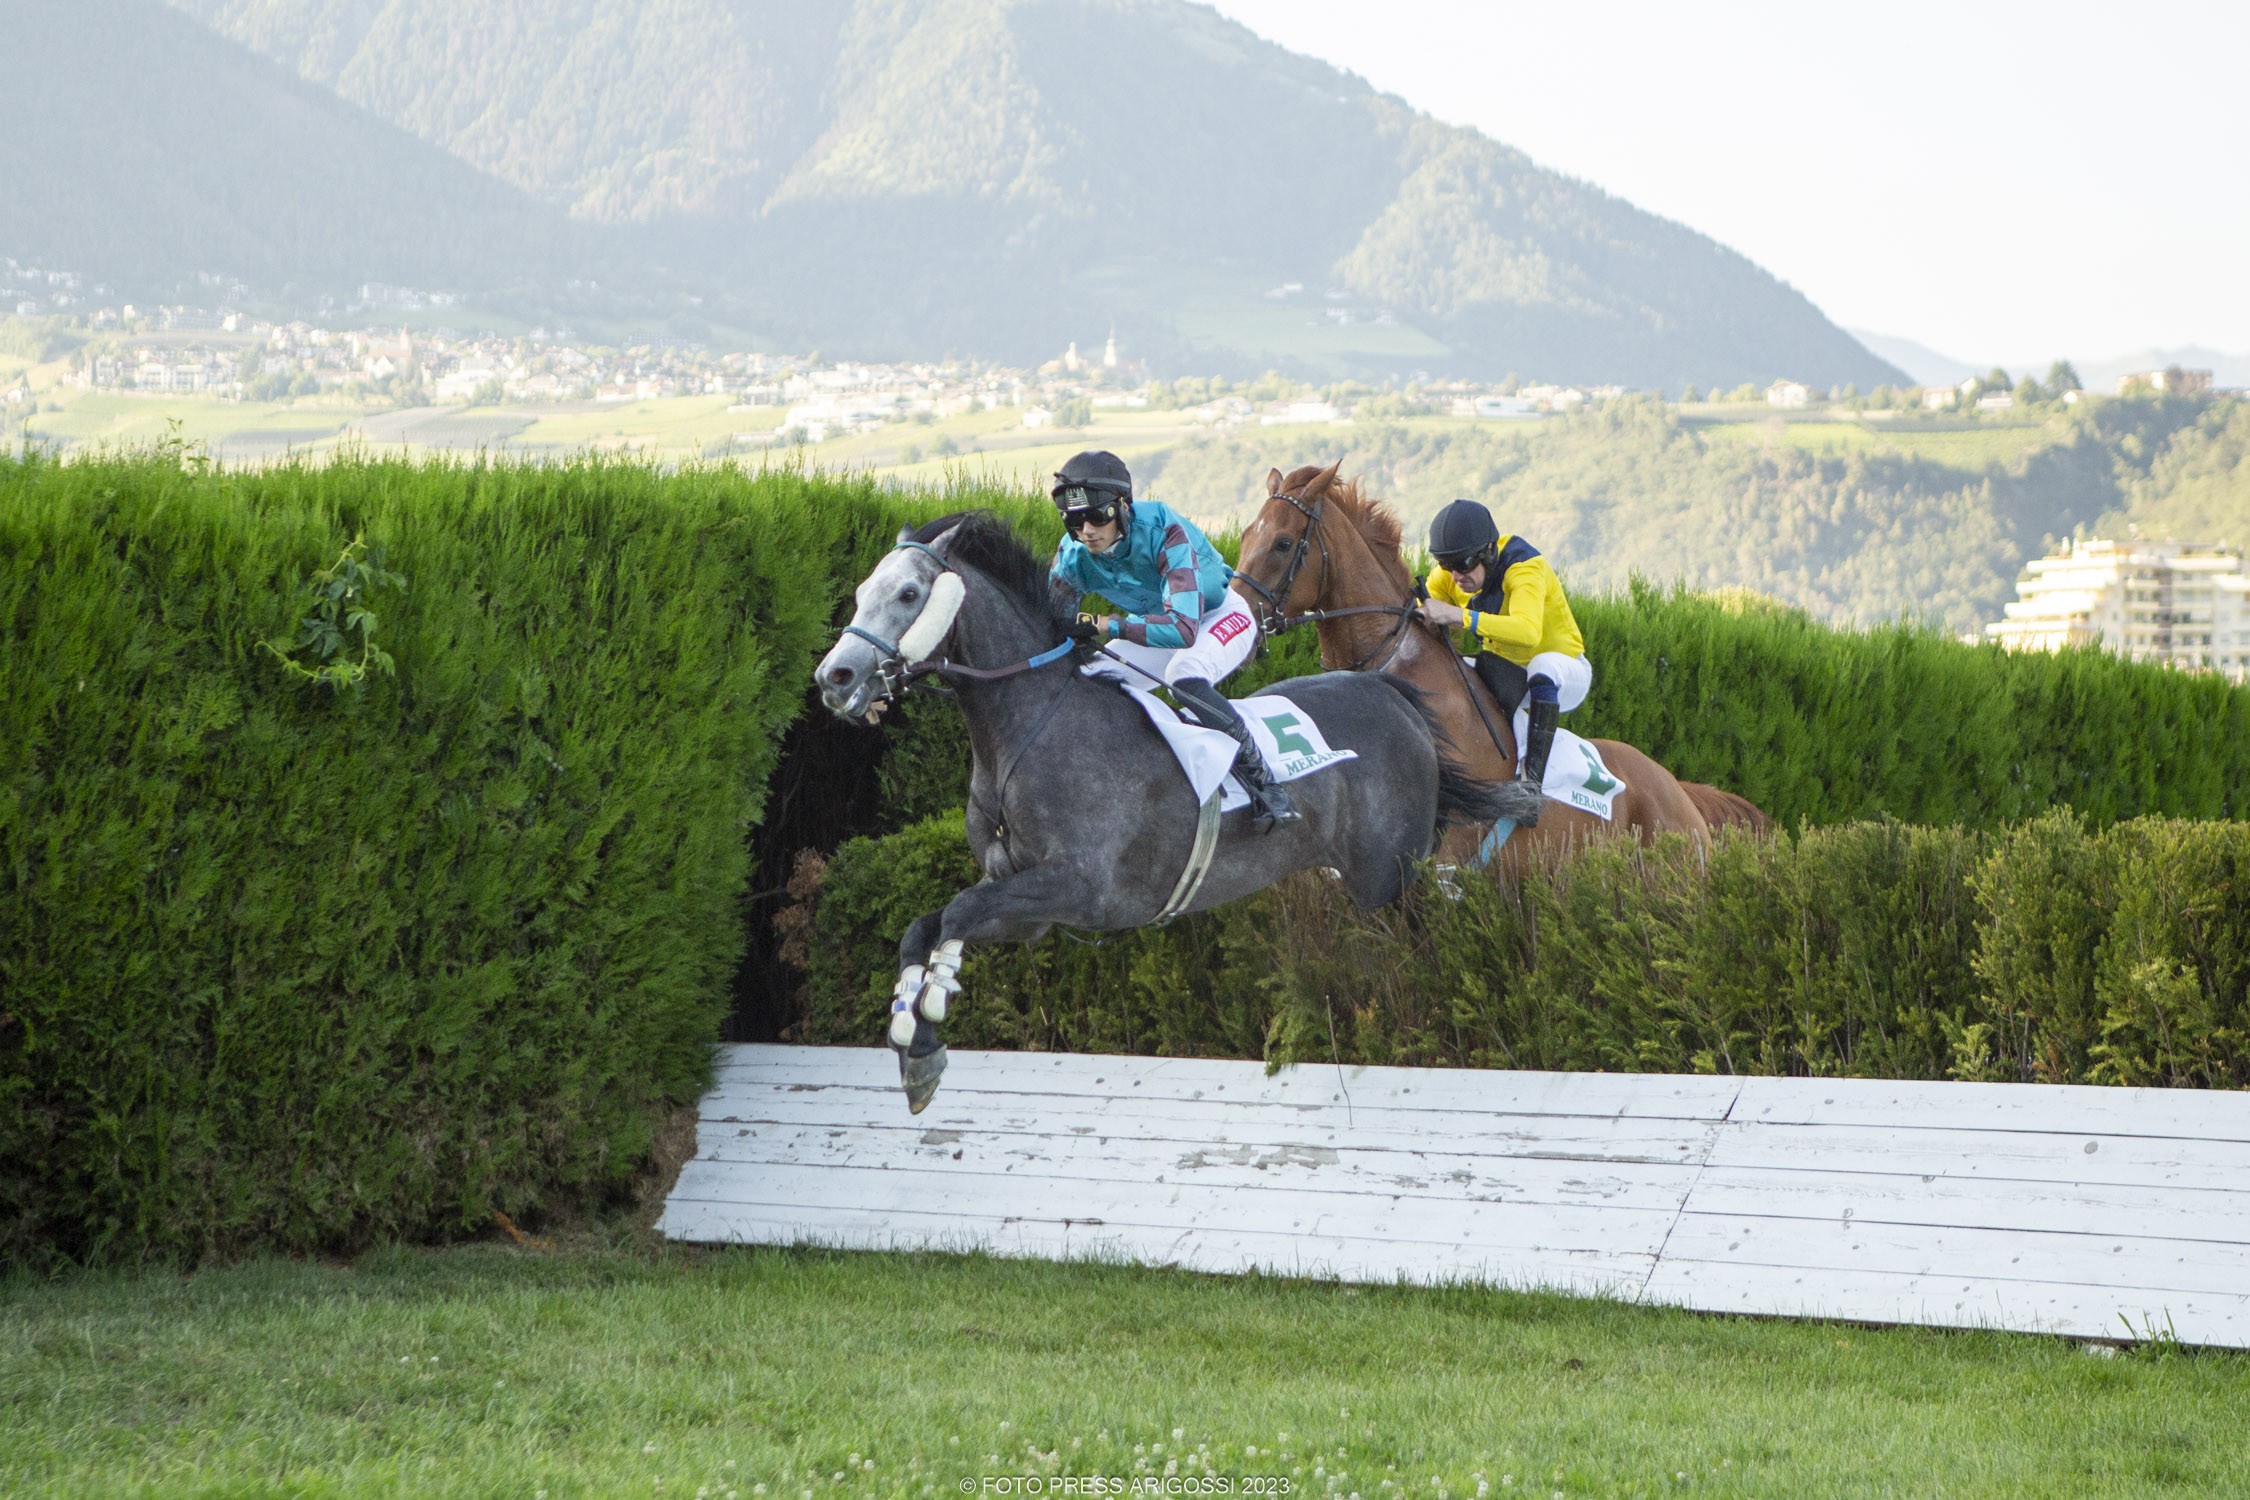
column 907, row 176
column 143, row 149
column 1926, row 365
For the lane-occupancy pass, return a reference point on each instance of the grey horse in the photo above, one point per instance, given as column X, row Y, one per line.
column 1078, row 814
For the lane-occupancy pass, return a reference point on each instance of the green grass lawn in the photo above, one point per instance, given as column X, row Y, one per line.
column 615, row 1369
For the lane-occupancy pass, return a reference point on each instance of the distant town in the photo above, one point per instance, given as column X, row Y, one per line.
column 387, row 357
column 220, row 352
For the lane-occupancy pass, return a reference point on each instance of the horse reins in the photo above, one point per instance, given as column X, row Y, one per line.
column 899, row 674
column 1279, row 619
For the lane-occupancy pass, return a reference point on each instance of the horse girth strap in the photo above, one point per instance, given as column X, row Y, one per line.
column 1198, row 861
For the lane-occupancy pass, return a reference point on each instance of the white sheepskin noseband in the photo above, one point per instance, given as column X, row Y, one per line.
column 936, row 618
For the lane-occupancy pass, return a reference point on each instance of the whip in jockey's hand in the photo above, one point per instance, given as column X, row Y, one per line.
column 1184, row 626
column 1529, row 652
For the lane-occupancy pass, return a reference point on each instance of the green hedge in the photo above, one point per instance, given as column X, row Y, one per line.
column 1823, row 726
column 294, row 967
column 300, row 968
column 2046, row 952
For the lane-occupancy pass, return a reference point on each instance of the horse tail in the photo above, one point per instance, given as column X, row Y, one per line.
column 1723, row 809
column 1462, row 799
column 1465, row 801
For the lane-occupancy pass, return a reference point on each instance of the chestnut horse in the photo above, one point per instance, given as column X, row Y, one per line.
column 1319, row 551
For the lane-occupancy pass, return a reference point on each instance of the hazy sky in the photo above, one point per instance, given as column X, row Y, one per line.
column 1997, row 181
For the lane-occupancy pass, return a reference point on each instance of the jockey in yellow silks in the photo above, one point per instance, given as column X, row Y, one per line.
column 1508, row 599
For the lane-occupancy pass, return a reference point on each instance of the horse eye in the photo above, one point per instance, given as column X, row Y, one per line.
column 1282, row 545
column 909, row 594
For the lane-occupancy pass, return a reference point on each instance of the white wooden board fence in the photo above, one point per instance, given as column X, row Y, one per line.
column 2096, row 1212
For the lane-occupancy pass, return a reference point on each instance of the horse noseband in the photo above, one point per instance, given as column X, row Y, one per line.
column 1277, row 598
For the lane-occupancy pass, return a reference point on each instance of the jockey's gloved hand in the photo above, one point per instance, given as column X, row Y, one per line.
column 1085, row 630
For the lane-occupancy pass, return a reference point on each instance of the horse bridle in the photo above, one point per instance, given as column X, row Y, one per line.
column 898, row 675
column 1276, row 618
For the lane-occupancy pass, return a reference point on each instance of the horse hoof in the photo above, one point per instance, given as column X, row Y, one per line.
column 919, row 1077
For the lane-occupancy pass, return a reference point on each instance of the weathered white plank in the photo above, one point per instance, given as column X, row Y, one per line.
column 2192, row 1114
column 1087, row 1077
column 2178, row 1212
column 2020, row 1206
column 2024, row 1155
column 1587, row 1273
column 1490, row 1230
column 2121, row 1261
column 1348, row 1170
column 1941, row 1301
column 1198, row 1123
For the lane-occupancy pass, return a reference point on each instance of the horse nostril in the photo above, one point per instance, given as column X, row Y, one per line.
column 841, row 676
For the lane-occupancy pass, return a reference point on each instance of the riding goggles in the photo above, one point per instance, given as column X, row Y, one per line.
column 1097, row 510
column 1463, row 562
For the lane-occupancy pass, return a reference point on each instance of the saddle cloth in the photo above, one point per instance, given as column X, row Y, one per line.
column 1576, row 775
column 1290, row 741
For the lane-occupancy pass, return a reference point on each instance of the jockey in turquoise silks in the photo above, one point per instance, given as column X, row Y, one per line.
column 1182, row 625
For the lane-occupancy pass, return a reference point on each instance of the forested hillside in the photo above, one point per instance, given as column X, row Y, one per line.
column 1867, row 535
column 908, row 177
column 143, row 149
column 2198, row 483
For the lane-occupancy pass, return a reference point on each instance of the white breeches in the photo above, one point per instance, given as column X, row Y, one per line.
column 1224, row 639
column 1573, row 677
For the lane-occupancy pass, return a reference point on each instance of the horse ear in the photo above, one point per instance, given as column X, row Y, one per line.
column 905, row 535
column 1327, row 476
column 1273, row 483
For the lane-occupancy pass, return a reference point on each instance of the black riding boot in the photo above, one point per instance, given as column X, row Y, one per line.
column 1209, row 707
column 1531, row 764
column 1539, row 740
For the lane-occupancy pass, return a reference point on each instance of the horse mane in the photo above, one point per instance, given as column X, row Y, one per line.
column 981, row 540
column 1368, row 516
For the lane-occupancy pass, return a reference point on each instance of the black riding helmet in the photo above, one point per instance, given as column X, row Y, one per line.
column 1462, row 535
column 1095, row 480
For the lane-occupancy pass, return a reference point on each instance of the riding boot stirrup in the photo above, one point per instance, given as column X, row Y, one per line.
column 1272, row 807
column 1531, row 766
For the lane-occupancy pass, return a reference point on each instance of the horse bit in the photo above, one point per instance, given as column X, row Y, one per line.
column 899, row 671
column 1276, row 618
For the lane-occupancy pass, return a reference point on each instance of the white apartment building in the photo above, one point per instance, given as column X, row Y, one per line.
column 2184, row 604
